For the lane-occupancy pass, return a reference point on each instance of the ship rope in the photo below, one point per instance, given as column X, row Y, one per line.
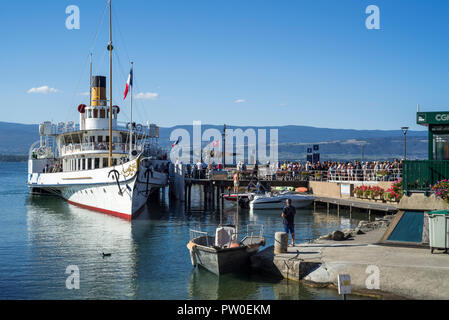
column 86, row 64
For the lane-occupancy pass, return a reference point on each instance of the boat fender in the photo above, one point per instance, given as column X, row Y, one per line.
column 192, row 246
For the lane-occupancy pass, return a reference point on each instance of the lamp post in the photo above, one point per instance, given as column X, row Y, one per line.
column 362, row 145
column 224, row 147
column 404, row 131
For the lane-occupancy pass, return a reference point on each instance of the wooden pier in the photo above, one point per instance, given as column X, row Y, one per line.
column 351, row 204
column 214, row 189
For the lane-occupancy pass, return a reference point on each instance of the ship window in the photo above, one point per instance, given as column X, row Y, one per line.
column 95, row 113
column 79, row 165
column 97, row 163
column 89, row 164
column 102, row 113
column 89, row 113
column 107, row 139
column 105, row 162
column 100, row 139
column 115, row 139
column 114, row 162
column 84, row 164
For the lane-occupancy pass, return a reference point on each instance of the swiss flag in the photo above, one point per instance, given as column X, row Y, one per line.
column 129, row 83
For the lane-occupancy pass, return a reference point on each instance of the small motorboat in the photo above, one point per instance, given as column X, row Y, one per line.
column 224, row 253
column 243, row 199
column 233, row 197
column 277, row 200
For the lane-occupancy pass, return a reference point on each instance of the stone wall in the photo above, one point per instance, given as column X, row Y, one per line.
column 333, row 189
column 421, row 202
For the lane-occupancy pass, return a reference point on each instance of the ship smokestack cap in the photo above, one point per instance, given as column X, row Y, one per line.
column 99, row 82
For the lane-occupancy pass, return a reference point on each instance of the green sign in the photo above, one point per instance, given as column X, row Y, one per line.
column 425, row 118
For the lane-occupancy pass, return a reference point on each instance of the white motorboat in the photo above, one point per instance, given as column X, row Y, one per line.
column 277, row 200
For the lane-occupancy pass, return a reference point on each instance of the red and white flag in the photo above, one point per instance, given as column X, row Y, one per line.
column 129, row 83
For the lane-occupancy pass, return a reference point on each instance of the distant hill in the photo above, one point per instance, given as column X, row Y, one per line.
column 15, row 139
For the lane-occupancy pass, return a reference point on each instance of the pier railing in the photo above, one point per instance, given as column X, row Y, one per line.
column 420, row 175
column 338, row 175
column 330, row 175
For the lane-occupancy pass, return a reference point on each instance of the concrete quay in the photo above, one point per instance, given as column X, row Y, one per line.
column 384, row 271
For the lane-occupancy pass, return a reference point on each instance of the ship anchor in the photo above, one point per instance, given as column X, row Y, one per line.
column 117, row 176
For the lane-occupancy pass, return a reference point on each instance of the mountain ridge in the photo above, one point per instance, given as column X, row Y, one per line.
column 16, row 138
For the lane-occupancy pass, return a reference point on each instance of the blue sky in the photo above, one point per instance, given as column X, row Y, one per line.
column 240, row 62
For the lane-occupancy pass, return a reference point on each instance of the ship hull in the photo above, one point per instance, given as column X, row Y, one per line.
column 121, row 191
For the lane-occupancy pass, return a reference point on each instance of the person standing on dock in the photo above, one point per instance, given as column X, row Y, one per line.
column 236, row 182
column 288, row 214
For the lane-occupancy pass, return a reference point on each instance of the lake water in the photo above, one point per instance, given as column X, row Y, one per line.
column 40, row 236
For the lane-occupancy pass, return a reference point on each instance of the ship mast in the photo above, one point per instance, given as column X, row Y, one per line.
column 90, row 83
column 110, row 83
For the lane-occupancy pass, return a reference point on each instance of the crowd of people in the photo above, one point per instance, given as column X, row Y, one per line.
column 346, row 171
column 326, row 170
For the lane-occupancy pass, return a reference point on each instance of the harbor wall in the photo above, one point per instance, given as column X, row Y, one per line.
column 422, row 202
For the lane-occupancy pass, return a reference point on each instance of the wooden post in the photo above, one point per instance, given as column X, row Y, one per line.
column 190, row 195
column 222, row 199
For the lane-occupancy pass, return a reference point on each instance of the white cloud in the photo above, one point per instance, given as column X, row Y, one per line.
column 283, row 105
column 147, row 95
column 86, row 94
column 239, row 101
column 43, row 90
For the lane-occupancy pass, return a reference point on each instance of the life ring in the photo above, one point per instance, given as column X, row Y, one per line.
column 82, row 108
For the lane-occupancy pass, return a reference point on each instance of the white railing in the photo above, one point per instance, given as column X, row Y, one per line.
column 336, row 175
column 85, row 147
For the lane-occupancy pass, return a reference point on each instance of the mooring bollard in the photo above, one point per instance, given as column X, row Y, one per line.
column 280, row 242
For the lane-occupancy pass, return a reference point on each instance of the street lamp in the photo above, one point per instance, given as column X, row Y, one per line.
column 404, row 131
column 224, row 147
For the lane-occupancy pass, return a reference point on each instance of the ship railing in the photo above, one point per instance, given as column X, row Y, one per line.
column 83, row 147
column 254, row 234
column 206, row 239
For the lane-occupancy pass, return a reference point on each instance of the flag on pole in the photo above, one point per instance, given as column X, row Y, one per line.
column 176, row 143
column 129, row 83
column 215, row 143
